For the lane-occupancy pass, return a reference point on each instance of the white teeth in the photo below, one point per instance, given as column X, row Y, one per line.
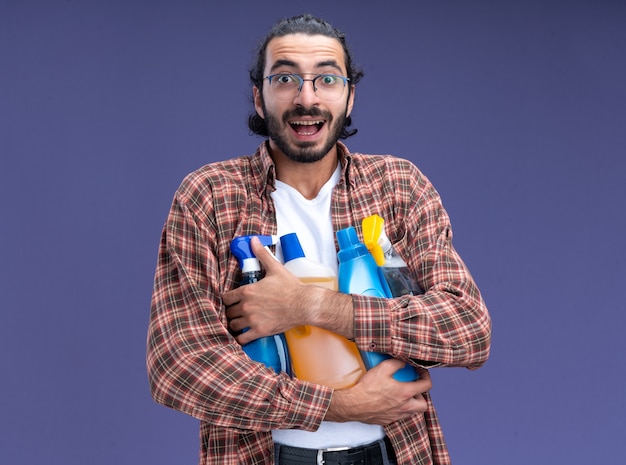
column 307, row 123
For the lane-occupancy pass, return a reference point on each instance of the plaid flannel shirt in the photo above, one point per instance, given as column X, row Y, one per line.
column 196, row 366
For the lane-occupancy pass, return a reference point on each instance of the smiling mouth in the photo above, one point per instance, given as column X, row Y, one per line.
column 307, row 128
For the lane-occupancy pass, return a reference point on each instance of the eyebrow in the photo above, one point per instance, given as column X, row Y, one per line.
column 321, row 64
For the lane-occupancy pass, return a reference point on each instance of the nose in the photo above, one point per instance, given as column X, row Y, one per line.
column 307, row 96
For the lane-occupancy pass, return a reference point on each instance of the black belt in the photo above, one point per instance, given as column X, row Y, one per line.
column 370, row 454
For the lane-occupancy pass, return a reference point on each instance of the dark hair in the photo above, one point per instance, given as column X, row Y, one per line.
column 303, row 24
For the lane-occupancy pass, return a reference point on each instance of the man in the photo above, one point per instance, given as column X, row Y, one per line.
column 303, row 180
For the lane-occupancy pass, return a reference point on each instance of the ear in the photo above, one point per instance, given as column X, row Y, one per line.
column 258, row 101
column 350, row 100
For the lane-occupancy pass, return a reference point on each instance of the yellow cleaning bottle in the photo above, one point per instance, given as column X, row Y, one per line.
column 318, row 355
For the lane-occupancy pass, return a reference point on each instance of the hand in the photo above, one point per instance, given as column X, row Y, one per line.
column 270, row 306
column 379, row 399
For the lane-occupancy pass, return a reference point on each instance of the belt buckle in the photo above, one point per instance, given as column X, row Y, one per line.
column 320, row 453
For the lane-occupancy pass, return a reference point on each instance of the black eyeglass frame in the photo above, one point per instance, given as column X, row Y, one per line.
column 302, row 80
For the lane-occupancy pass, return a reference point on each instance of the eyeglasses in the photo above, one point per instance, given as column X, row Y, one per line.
column 328, row 87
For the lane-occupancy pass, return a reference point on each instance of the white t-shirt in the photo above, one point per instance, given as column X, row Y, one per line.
column 311, row 221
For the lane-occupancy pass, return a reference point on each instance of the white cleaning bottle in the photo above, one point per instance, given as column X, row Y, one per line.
column 318, row 355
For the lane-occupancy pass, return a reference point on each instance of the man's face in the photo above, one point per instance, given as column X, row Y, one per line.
column 306, row 127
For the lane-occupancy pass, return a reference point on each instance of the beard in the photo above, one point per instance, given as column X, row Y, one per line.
column 303, row 152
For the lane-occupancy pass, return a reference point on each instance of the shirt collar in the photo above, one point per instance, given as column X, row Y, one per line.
column 264, row 170
column 345, row 158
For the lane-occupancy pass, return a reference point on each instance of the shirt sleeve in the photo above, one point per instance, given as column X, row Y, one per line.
column 194, row 364
column 449, row 324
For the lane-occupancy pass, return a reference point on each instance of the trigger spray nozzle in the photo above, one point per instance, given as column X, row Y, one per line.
column 375, row 239
column 240, row 248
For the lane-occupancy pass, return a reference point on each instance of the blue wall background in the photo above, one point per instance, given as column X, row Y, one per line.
column 515, row 110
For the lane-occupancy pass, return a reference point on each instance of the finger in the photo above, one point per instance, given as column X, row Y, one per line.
column 231, row 297
column 231, row 312
column 423, row 373
column 245, row 337
column 234, row 310
column 424, row 379
column 390, row 366
column 422, row 385
column 237, row 324
column 267, row 259
column 421, row 403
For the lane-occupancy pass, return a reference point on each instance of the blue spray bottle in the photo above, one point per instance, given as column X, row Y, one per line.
column 359, row 274
column 270, row 350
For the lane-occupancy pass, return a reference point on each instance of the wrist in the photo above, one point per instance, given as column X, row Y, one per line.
column 338, row 410
column 332, row 310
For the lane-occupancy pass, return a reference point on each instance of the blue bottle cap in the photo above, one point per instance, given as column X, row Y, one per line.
column 349, row 245
column 291, row 247
column 347, row 237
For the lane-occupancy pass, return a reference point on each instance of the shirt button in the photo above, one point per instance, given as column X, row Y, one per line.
column 372, row 345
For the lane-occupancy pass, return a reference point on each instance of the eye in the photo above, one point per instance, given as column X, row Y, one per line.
column 285, row 79
column 329, row 80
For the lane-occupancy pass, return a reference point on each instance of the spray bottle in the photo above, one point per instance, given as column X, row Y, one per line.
column 394, row 268
column 359, row 274
column 318, row 355
column 270, row 350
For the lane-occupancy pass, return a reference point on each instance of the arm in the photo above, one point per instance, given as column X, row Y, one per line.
column 194, row 364
column 280, row 301
column 449, row 324
column 378, row 399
